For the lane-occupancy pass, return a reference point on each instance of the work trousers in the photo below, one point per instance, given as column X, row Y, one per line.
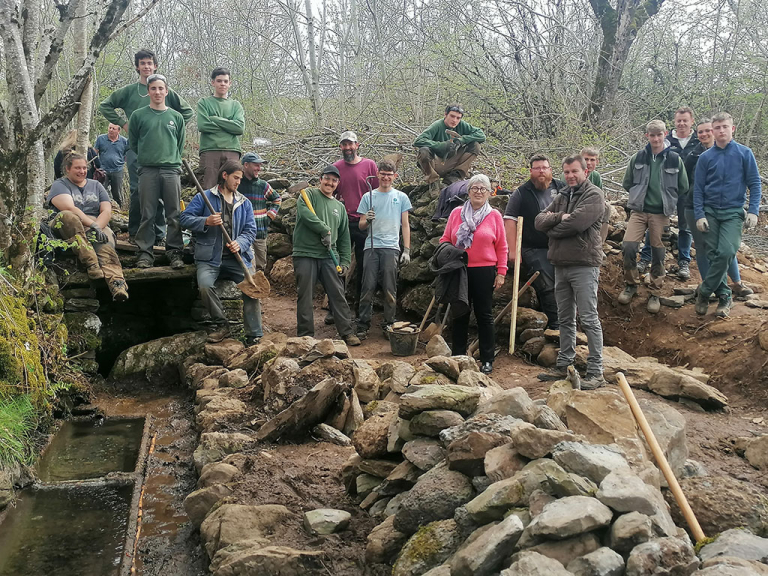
column 685, row 226
column 576, row 289
column 159, row 184
column 459, row 163
column 722, row 242
column 207, row 274
column 699, row 238
column 480, row 288
column 307, row 272
column 535, row 260
column 638, row 224
column 67, row 226
column 379, row 269
column 115, row 186
column 212, row 161
column 134, row 207
column 357, row 237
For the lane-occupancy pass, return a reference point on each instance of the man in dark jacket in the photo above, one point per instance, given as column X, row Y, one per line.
column 572, row 221
column 527, row 202
column 654, row 178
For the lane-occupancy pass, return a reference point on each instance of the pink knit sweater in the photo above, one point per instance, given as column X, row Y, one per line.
column 489, row 246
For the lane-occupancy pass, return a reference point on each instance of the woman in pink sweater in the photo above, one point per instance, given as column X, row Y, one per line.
column 479, row 229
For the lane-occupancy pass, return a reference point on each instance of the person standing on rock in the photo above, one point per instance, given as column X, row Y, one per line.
column 592, row 158
column 528, row 201
column 214, row 259
column 157, row 136
column 382, row 254
column 654, row 178
column 479, row 230
column 129, row 99
column 448, row 147
column 723, row 174
column 265, row 202
column 320, row 230
column 81, row 217
column 572, row 223
column 355, row 173
column 112, row 149
column 221, row 122
column 706, row 139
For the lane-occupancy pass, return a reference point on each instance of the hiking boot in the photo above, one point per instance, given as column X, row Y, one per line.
column 177, row 263
column 653, row 305
column 593, row 382
column 119, row 290
column 143, row 263
column 362, row 333
column 742, row 290
column 352, row 340
column 683, row 270
column 329, row 318
column 218, row 333
column 626, row 296
column 252, row 340
column 724, row 306
column 642, row 267
column 556, row 373
column 132, row 240
column 486, row 367
column 701, row 304
column 95, row 272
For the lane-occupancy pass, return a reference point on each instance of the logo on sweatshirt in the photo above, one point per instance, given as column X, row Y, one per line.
column 171, row 123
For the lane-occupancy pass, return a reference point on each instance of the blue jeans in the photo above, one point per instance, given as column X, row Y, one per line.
column 684, row 237
column 207, row 274
column 701, row 253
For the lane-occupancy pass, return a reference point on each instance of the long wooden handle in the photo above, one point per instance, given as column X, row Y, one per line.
column 312, row 209
column 513, row 322
column 429, row 309
column 237, row 256
column 658, row 454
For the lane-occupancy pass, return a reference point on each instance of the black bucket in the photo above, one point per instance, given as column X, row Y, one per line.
column 403, row 343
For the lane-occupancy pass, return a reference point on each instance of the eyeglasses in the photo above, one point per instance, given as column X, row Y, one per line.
column 479, row 189
column 541, row 168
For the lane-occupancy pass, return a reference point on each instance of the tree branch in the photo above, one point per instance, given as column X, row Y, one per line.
column 135, row 19
column 66, row 16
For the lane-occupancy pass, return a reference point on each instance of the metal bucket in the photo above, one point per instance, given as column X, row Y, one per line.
column 403, row 343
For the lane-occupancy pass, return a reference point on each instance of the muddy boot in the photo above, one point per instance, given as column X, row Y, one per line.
column 218, row 333
column 683, row 270
column 741, row 290
column 626, row 296
column 653, row 305
column 701, row 304
column 119, row 290
column 87, row 255
column 351, row 340
column 724, row 307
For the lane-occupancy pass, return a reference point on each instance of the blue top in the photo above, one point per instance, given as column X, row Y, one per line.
column 389, row 208
column 722, row 177
column 111, row 154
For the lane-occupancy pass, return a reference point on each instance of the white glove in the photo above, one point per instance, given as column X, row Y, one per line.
column 405, row 257
column 702, row 225
column 751, row 221
column 370, row 216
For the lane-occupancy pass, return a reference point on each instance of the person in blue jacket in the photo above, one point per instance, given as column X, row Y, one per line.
column 216, row 260
column 723, row 174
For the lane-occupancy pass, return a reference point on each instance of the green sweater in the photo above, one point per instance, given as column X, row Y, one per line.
column 435, row 137
column 309, row 229
column 157, row 137
column 221, row 121
column 596, row 179
column 134, row 96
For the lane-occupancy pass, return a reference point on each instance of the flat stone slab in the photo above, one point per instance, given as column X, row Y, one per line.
column 326, row 520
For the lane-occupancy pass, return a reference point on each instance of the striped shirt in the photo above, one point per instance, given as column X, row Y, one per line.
column 264, row 200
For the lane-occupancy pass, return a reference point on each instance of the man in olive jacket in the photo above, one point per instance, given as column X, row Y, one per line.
column 572, row 223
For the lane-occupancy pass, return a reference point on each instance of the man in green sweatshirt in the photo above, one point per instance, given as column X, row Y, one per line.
column 448, row 147
column 129, row 99
column 322, row 229
column 156, row 135
column 221, row 122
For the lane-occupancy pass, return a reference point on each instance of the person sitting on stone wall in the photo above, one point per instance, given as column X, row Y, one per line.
column 82, row 210
column 448, row 147
column 216, row 260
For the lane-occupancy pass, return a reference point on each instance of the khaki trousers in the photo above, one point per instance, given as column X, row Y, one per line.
column 638, row 223
column 461, row 163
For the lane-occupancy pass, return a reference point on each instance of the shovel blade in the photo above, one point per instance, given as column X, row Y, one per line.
column 257, row 286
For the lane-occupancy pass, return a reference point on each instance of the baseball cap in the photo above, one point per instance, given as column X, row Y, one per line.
column 330, row 169
column 252, row 157
column 348, row 135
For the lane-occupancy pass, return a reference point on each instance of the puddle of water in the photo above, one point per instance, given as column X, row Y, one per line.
column 66, row 532
column 90, row 449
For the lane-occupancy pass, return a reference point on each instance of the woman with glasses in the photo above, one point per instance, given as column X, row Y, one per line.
column 479, row 230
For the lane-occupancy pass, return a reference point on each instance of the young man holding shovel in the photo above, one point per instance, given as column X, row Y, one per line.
column 389, row 208
column 216, row 260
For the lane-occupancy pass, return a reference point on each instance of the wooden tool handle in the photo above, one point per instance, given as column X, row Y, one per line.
column 429, row 309
column 513, row 322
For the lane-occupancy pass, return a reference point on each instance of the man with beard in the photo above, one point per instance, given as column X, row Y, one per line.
column 353, row 172
column 528, row 201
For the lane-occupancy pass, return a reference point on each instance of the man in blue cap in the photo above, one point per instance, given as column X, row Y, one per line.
column 265, row 202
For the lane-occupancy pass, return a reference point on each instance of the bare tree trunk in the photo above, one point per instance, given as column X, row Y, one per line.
column 314, row 67
column 80, row 31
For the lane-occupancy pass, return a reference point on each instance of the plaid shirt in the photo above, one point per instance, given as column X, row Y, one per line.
column 264, row 201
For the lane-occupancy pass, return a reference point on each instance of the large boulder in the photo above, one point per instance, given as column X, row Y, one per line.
column 594, row 461
column 232, row 523
column 428, row 548
column 370, row 439
column 662, row 556
column 254, row 557
column 625, row 492
column 198, row 503
column 154, row 357
column 435, row 397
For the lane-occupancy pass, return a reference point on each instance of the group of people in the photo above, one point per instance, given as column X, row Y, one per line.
column 356, row 208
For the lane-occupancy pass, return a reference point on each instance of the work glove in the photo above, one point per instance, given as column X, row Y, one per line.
column 702, row 225
column 405, row 257
column 370, row 216
column 751, row 221
column 97, row 234
column 344, row 270
column 326, row 240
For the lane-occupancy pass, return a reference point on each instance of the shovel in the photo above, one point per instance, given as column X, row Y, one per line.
column 254, row 286
column 312, row 209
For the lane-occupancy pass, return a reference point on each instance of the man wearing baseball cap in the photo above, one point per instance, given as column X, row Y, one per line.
column 265, row 203
column 353, row 172
column 322, row 229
